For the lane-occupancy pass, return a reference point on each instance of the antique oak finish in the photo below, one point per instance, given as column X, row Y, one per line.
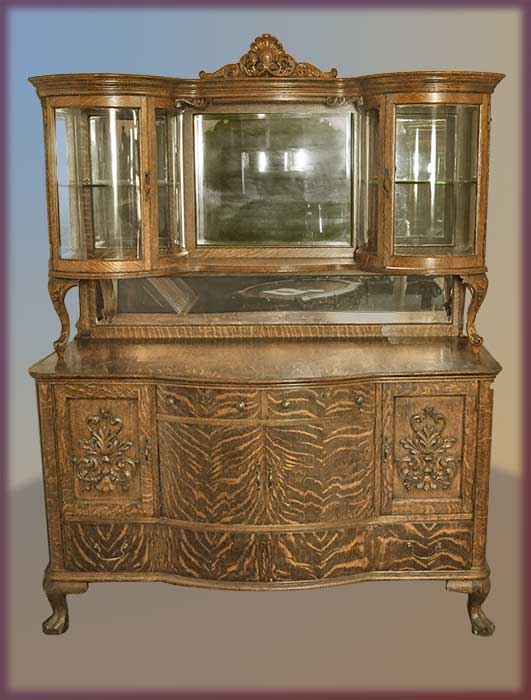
column 271, row 449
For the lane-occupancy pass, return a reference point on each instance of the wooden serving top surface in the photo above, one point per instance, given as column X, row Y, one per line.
column 266, row 362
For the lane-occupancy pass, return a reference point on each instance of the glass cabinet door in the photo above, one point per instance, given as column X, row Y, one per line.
column 435, row 184
column 168, row 128
column 369, row 179
column 273, row 179
column 98, row 183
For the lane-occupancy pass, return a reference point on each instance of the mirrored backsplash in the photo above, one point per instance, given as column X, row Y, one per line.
column 273, row 179
column 241, row 299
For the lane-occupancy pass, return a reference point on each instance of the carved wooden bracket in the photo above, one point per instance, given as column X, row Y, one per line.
column 477, row 285
column 57, row 289
column 109, row 293
column 267, row 58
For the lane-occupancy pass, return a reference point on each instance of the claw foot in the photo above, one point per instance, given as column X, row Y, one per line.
column 478, row 590
column 57, row 623
column 481, row 625
column 56, row 592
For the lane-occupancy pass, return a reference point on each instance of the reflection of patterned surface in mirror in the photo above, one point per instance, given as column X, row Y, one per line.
column 426, row 299
column 273, row 179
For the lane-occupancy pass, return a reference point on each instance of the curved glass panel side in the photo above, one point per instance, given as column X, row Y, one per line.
column 98, row 183
column 435, row 187
column 168, row 127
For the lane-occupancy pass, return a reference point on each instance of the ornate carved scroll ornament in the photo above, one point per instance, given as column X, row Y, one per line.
column 428, row 466
column 106, row 466
column 267, row 58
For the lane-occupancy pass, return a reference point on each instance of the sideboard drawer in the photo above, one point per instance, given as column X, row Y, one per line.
column 423, row 546
column 205, row 402
column 319, row 401
column 219, row 555
column 108, row 547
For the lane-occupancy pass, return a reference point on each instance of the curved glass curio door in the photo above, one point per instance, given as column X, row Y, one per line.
column 435, row 184
column 98, row 183
column 168, row 127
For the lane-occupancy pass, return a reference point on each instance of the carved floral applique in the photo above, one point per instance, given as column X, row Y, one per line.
column 105, row 466
column 428, row 466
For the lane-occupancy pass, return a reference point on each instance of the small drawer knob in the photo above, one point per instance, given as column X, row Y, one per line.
column 359, row 400
column 241, row 406
column 170, row 401
column 285, row 403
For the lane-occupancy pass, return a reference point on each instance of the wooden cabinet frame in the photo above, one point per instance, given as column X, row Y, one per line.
column 281, row 465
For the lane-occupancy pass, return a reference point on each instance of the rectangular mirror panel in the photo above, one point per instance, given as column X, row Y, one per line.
column 273, row 179
column 285, row 299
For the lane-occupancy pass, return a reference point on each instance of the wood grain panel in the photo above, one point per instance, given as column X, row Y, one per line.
column 50, row 469
column 301, row 556
column 428, row 453
column 419, row 546
column 108, row 547
column 208, row 402
column 320, row 471
column 211, row 472
column 323, row 554
column 104, row 444
column 217, row 556
column 317, row 402
column 481, row 495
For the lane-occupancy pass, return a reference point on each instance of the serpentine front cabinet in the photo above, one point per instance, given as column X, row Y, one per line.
column 276, row 380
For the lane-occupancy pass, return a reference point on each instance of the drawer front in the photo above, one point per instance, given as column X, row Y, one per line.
column 216, row 556
column 423, row 546
column 104, row 443
column 108, row 547
column 320, row 401
column 321, row 554
column 205, row 402
column 429, row 447
column 135, row 548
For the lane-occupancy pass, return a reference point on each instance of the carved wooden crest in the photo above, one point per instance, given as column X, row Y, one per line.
column 267, row 58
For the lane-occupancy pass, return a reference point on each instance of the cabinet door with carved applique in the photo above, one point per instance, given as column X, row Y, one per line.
column 105, row 457
column 428, row 447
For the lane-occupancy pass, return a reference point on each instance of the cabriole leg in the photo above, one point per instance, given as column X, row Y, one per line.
column 57, row 289
column 56, row 592
column 477, row 284
column 477, row 591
